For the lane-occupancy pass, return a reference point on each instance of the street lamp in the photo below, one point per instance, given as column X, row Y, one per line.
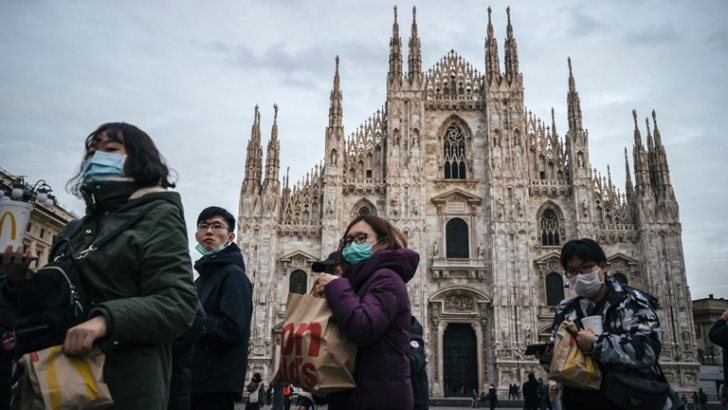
column 21, row 191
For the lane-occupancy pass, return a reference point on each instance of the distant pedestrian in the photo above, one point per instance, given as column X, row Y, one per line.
column 702, row 399
column 543, row 395
column 276, row 390
column 256, row 393
column 530, row 393
column 475, row 397
column 492, row 397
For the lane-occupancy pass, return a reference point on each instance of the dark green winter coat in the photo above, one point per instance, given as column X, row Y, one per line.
column 141, row 282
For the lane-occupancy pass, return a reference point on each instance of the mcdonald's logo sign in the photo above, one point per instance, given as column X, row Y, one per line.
column 13, row 225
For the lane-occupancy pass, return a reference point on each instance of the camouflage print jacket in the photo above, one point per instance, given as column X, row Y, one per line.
column 631, row 337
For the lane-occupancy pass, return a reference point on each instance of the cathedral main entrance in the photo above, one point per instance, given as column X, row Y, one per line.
column 460, row 360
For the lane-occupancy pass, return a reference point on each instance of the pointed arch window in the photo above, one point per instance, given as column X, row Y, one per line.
column 298, row 282
column 554, row 289
column 364, row 211
column 454, row 153
column 550, row 235
column 456, row 234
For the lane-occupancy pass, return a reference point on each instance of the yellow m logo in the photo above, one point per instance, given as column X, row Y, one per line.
column 13, row 227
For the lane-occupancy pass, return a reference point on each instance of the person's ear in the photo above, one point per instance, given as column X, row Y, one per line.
column 230, row 238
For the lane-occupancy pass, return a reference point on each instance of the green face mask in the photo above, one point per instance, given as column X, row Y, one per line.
column 201, row 249
column 357, row 252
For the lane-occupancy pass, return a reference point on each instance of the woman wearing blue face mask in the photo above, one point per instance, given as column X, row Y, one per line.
column 370, row 304
column 139, row 285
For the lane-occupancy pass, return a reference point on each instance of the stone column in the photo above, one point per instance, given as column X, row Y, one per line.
column 480, row 347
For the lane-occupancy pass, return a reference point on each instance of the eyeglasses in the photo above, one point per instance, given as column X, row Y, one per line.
column 358, row 238
column 585, row 268
column 216, row 227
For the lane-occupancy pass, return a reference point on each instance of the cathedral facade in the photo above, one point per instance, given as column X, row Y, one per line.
column 486, row 193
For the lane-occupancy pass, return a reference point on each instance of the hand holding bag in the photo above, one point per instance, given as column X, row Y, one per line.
column 314, row 354
column 55, row 381
column 569, row 365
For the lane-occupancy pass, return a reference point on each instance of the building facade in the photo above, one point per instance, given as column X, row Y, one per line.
column 45, row 221
column 706, row 312
column 486, row 193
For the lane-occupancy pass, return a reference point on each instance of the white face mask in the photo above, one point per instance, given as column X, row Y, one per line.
column 586, row 284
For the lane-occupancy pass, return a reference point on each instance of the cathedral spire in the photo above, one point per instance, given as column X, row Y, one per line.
column 492, row 65
column 253, row 158
column 663, row 170
column 629, row 187
column 641, row 164
column 335, row 142
column 573, row 103
column 415, row 51
column 511, row 51
column 637, row 135
column 335, row 108
column 272, row 159
column 650, row 143
column 658, row 139
column 394, row 77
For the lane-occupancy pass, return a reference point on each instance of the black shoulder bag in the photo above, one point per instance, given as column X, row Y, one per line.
column 53, row 299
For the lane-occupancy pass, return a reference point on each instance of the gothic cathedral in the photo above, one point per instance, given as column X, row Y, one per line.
column 486, row 193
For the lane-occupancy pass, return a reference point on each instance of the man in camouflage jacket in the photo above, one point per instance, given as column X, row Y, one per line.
column 631, row 328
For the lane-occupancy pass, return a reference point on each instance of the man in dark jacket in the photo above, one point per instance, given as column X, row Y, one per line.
column 530, row 393
column 719, row 335
column 221, row 355
column 418, row 366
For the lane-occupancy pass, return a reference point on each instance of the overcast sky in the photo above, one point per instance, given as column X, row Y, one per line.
column 190, row 72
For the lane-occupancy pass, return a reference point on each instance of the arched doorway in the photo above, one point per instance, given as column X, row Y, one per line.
column 460, row 364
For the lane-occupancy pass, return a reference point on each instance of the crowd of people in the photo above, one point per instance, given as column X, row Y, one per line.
column 175, row 343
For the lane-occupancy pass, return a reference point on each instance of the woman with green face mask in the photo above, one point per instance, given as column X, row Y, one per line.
column 370, row 304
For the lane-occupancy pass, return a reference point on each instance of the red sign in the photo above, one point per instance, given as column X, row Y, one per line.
column 295, row 365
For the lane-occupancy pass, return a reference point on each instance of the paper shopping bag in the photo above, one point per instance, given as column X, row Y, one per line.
column 315, row 355
column 60, row 382
column 569, row 365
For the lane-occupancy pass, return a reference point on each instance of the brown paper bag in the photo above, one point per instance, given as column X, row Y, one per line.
column 58, row 382
column 569, row 365
column 314, row 354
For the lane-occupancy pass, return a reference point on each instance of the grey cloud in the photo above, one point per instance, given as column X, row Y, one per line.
column 582, row 24
column 718, row 40
column 657, row 35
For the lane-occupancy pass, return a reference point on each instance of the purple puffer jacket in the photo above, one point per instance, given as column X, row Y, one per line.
column 371, row 306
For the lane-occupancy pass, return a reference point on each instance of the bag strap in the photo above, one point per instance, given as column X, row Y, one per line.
column 579, row 313
column 99, row 242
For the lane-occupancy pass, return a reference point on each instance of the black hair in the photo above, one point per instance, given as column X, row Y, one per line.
column 211, row 211
column 585, row 249
column 144, row 164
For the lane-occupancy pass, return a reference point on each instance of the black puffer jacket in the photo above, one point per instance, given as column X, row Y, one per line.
column 221, row 355
column 183, row 349
column 418, row 366
column 719, row 335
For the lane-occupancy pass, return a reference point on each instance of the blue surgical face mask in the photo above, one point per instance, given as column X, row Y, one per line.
column 201, row 249
column 102, row 166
